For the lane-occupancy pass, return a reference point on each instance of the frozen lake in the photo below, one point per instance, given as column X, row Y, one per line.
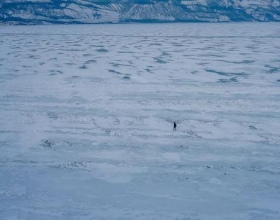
column 86, row 115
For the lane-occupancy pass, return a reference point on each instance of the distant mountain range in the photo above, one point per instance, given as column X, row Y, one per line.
column 114, row 11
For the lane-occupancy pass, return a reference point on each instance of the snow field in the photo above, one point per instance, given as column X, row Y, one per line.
column 86, row 122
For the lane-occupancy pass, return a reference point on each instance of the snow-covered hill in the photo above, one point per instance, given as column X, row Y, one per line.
column 114, row 11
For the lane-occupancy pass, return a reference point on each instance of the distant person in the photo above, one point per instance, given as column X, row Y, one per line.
column 174, row 126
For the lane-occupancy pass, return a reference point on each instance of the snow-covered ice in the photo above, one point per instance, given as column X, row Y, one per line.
column 86, row 117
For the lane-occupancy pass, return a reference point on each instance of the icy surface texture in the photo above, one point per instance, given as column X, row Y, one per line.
column 86, row 119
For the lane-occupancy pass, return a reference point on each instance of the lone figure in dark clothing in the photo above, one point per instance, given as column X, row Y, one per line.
column 174, row 126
